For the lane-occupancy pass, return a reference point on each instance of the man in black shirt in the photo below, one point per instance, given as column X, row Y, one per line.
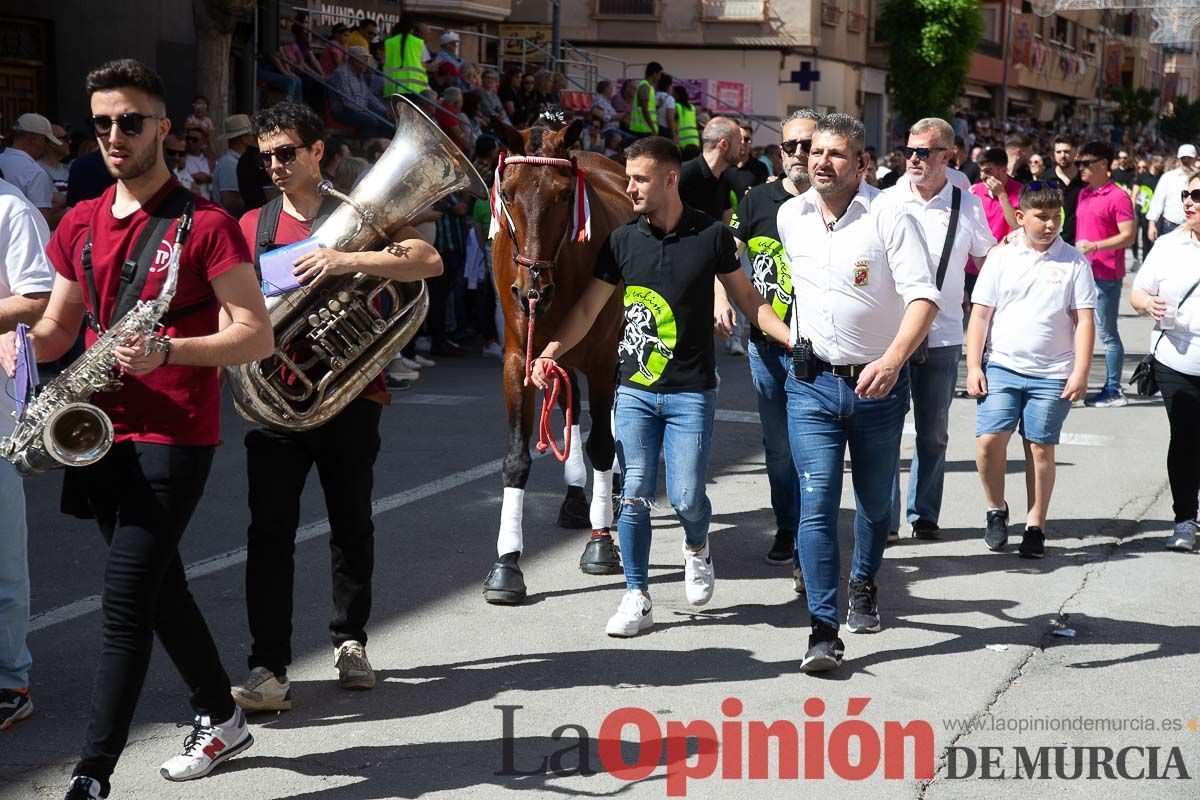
column 703, row 184
column 1019, row 148
column 1068, row 175
column 757, row 235
column 748, row 172
column 253, row 180
column 1122, row 172
column 963, row 162
column 667, row 259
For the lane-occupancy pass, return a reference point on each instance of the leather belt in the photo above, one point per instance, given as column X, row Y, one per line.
column 838, row 370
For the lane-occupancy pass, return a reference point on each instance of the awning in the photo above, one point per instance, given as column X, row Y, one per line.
column 1019, row 94
column 977, row 90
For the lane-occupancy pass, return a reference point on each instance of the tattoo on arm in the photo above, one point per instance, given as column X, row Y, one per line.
column 398, row 250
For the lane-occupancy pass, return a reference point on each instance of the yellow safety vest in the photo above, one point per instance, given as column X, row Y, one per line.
column 638, row 123
column 688, row 132
column 403, row 66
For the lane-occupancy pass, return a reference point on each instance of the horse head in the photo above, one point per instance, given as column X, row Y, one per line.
column 540, row 200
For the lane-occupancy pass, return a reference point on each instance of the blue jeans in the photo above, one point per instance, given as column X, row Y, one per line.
column 769, row 364
column 1108, row 306
column 290, row 85
column 932, row 386
column 680, row 425
column 366, row 125
column 14, row 582
column 824, row 416
column 1032, row 405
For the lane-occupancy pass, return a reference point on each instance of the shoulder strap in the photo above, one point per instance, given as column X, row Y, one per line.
column 268, row 223
column 948, row 246
column 140, row 259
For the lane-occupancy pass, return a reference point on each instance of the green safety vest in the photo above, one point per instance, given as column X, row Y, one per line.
column 402, row 65
column 638, row 123
column 688, row 132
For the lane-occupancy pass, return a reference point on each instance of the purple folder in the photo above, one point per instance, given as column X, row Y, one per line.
column 277, row 265
column 27, row 372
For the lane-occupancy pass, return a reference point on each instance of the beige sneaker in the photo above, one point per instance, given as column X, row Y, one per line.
column 262, row 691
column 354, row 670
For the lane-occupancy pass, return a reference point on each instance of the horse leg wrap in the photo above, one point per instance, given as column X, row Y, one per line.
column 574, row 470
column 601, row 510
column 512, row 537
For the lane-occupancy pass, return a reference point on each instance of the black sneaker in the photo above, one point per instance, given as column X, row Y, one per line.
column 825, row 649
column 923, row 529
column 15, row 706
column 863, row 616
column 782, row 550
column 1033, row 543
column 82, row 787
column 893, row 537
column 996, row 535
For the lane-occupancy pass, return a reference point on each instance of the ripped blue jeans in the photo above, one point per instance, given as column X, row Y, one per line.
column 679, row 424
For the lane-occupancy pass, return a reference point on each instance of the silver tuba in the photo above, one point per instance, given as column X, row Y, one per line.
column 334, row 337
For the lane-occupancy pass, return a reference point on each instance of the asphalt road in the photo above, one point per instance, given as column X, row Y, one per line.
column 966, row 632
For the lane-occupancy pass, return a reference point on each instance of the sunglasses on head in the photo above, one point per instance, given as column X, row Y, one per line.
column 130, row 123
column 286, row 153
column 923, row 153
column 789, row 147
column 177, row 153
column 1194, row 194
column 1035, row 186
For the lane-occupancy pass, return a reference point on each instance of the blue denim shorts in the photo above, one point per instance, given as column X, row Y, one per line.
column 1033, row 404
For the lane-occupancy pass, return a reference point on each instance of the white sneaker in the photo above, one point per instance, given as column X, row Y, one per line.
column 634, row 615
column 493, row 350
column 698, row 575
column 409, row 363
column 423, row 361
column 397, row 371
column 736, row 348
column 263, row 691
column 207, row 746
column 354, row 669
column 1183, row 538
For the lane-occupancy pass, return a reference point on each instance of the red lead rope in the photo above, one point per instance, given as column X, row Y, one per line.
column 559, row 379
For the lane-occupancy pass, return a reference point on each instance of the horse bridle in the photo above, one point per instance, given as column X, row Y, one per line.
column 578, row 230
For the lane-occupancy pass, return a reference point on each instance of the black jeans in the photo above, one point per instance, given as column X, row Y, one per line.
column 441, row 288
column 142, row 496
column 278, row 463
column 1181, row 396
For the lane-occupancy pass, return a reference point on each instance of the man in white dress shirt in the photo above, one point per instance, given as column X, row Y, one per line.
column 928, row 193
column 1166, row 209
column 864, row 300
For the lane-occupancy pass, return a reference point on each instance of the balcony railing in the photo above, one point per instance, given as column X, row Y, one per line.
column 733, row 10
column 831, row 13
column 626, row 8
column 856, row 22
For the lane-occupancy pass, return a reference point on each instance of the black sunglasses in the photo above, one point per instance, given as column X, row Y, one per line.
column 1194, row 194
column 286, row 153
column 1085, row 162
column 789, row 147
column 923, row 153
column 177, row 153
column 1036, row 186
column 130, row 123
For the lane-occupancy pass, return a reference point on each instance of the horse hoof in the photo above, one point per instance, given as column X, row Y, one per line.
column 505, row 584
column 575, row 511
column 601, row 556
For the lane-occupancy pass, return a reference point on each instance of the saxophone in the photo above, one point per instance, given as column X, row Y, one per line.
column 59, row 427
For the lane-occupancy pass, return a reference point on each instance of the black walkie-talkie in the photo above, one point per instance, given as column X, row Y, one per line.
column 802, row 360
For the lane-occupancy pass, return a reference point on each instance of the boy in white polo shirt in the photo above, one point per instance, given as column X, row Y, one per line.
column 1029, row 346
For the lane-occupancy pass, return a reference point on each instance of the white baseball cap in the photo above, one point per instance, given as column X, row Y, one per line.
column 36, row 123
column 449, row 36
column 1185, row 150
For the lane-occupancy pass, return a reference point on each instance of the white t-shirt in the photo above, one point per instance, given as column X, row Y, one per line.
column 1034, row 294
column 972, row 237
column 664, row 101
column 184, row 177
column 199, row 164
column 1169, row 271
column 28, row 176
column 24, row 268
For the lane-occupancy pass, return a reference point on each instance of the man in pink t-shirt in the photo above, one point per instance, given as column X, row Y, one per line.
column 1000, row 195
column 1104, row 227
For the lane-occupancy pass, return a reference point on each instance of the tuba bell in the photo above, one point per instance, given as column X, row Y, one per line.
column 334, row 337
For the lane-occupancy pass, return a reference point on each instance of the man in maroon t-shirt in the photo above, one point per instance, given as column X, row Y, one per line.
column 290, row 139
column 165, row 418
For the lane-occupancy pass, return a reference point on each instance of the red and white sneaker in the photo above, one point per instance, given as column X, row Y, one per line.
column 207, row 746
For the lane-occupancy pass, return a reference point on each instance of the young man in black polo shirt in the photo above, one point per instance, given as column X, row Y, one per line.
column 667, row 259
column 747, row 172
column 758, row 245
column 703, row 182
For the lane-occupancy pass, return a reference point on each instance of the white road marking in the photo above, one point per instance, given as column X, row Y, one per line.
column 729, row 415
column 419, row 399
column 232, row 558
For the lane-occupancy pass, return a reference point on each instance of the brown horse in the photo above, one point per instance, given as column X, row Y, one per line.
column 534, row 255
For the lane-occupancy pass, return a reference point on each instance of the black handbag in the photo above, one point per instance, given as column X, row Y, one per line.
column 921, row 355
column 1144, row 381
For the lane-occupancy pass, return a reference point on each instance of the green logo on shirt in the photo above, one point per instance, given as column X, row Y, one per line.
column 650, row 334
column 1144, row 195
column 771, row 275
